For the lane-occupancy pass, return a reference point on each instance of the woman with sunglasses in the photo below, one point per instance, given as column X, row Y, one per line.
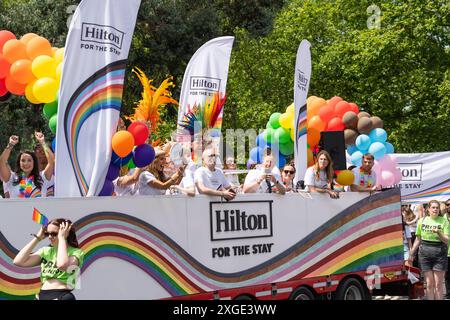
column 60, row 261
column 287, row 177
column 432, row 236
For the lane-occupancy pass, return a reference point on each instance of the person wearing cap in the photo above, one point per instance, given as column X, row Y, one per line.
column 153, row 181
column 210, row 180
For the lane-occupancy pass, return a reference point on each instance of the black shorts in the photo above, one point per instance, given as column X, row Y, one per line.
column 433, row 256
column 56, row 294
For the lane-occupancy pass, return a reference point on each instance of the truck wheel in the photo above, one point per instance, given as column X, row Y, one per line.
column 243, row 297
column 302, row 293
column 351, row 289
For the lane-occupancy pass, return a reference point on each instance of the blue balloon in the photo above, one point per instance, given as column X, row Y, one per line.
column 143, row 155
column 281, row 160
column 256, row 154
column 54, row 145
column 363, row 142
column 260, row 142
column 352, row 149
column 389, row 147
column 118, row 161
column 378, row 150
column 378, row 135
column 113, row 172
column 356, row 158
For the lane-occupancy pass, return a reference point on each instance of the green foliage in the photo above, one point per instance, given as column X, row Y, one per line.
column 398, row 72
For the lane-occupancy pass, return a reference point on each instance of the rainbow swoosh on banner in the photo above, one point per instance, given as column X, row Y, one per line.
column 301, row 122
column 438, row 190
column 366, row 233
column 103, row 90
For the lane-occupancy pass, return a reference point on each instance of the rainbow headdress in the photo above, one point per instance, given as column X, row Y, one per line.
column 39, row 217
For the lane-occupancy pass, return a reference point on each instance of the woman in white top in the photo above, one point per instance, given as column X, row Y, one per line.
column 26, row 181
column 319, row 177
column 153, row 181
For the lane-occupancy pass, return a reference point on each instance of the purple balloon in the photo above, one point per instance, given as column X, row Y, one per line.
column 113, row 172
column 107, row 190
column 250, row 163
column 143, row 155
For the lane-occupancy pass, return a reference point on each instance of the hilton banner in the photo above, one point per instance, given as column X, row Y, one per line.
column 90, row 97
column 425, row 176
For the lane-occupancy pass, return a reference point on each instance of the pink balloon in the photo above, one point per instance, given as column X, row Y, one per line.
column 387, row 178
column 386, row 163
column 397, row 176
column 376, row 168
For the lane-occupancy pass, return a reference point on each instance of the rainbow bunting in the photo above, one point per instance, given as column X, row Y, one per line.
column 39, row 217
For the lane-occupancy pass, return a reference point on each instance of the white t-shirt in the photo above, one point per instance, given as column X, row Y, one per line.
column 188, row 179
column 211, row 179
column 310, row 178
column 14, row 190
column 144, row 189
column 254, row 175
column 365, row 180
column 128, row 190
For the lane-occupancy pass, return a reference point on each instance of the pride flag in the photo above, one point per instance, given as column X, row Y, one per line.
column 39, row 217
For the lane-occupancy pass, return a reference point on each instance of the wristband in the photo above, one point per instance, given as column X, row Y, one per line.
column 9, row 146
column 34, row 235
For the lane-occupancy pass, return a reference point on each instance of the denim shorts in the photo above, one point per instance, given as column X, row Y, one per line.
column 433, row 256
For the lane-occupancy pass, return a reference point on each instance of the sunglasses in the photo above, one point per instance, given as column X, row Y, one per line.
column 288, row 172
column 53, row 234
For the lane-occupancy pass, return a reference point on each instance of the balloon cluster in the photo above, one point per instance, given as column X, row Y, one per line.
column 29, row 67
column 129, row 150
column 280, row 132
column 363, row 134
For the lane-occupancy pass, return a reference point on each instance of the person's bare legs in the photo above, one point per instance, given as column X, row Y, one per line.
column 429, row 278
column 439, row 284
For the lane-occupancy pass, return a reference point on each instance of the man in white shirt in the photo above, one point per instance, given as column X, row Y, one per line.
column 365, row 177
column 211, row 180
column 266, row 178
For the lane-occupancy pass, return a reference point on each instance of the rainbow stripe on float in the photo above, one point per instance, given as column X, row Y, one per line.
column 103, row 90
column 366, row 233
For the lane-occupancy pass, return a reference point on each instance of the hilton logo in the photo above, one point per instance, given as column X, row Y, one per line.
column 102, row 34
column 240, row 220
column 205, row 83
column 411, row 171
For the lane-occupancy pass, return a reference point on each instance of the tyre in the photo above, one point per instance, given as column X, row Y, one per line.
column 243, row 297
column 351, row 289
column 302, row 293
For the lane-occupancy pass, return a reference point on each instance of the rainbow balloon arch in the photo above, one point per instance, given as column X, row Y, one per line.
column 363, row 134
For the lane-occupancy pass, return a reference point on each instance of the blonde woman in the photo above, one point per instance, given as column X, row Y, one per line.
column 153, row 181
column 319, row 177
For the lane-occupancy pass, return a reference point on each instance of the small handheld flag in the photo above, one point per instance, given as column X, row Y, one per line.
column 39, row 217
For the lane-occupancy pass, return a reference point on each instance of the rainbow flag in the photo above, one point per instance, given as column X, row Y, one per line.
column 39, row 217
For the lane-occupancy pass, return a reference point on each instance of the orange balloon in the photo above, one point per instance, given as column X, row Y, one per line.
column 310, row 157
column 27, row 37
column 14, row 50
column 333, row 101
column 316, row 123
column 5, row 35
column 14, row 87
column 122, row 143
column 313, row 136
column 21, row 71
column 38, row 46
column 326, row 113
column 314, row 106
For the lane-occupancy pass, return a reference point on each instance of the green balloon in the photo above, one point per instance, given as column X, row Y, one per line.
column 282, row 135
column 50, row 109
column 287, row 149
column 274, row 120
column 53, row 122
column 131, row 164
column 268, row 135
column 268, row 126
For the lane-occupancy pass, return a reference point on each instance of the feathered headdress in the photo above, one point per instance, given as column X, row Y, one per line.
column 152, row 98
column 208, row 115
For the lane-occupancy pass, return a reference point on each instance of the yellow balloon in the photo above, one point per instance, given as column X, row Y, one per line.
column 45, row 89
column 290, row 109
column 292, row 133
column 59, row 55
column 286, row 120
column 59, row 72
column 44, row 66
column 29, row 93
column 345, row 177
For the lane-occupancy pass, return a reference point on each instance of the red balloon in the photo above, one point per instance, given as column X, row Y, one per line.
column 4, row 67
column 3, row 89
column 335, row 124
column 14, row 87
column 354, row 107
column 139, row 131
column 341, row 108
column 333, row 101
column 326, row 113
column 5, row 35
